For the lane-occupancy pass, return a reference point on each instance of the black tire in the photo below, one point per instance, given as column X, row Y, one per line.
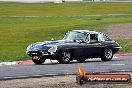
column 65, row 57
column 81, row 60
column 38, row 61
column 107, row 55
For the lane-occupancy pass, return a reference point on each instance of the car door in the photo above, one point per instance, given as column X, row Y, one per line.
column 80, row 47
column 94, row 46
column 79, row 50
column 86, row 49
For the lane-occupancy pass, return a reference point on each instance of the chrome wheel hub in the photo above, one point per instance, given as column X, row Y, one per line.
column 108, row 54
column 66, row 56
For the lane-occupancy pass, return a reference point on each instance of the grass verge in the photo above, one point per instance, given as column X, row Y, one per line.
column 64, row 9
column 17, row 31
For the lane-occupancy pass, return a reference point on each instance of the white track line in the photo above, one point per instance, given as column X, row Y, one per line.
column 7, row 63
column 118, row 64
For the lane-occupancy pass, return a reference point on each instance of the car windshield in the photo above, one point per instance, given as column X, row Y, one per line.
column 73, row 35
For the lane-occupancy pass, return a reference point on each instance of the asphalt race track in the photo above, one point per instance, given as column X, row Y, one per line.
column 51, row 69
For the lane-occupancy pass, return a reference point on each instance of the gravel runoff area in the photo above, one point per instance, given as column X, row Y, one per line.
column 121, row 31
column 68, row 81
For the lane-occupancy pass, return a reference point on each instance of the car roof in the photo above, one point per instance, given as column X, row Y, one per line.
column 87, row 31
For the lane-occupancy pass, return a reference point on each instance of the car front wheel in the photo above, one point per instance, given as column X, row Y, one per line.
column 38, row 60
column 65, row 57
column 107, row 55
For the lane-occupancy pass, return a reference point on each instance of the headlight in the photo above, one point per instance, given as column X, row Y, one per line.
column 52, row 49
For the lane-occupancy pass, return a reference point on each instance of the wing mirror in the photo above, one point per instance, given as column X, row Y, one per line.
column 80, row 41
column 52, row 39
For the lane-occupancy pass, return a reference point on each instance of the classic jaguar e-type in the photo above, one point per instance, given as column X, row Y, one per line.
column 76, row 45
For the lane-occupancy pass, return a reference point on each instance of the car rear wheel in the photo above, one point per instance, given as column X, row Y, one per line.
column 38, row 60
column 65, row 57
column 107, row 55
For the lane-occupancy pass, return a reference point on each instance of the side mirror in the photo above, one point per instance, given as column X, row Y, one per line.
column 80, row 41
column 52, row 39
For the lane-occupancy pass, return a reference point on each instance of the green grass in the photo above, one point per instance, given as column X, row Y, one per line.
column 63, row 9
column 127, row 46
column 16, row 33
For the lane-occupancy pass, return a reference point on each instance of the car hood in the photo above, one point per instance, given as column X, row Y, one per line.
column 51, row 43
column 45, row 45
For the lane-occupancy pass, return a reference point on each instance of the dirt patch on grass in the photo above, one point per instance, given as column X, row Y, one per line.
column 120, row 31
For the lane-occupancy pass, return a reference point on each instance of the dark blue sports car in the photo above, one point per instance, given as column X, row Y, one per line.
column 76, row 45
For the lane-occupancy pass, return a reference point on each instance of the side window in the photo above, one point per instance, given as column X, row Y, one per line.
column 103, row 37
column 81, row 36
column 93, row 38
